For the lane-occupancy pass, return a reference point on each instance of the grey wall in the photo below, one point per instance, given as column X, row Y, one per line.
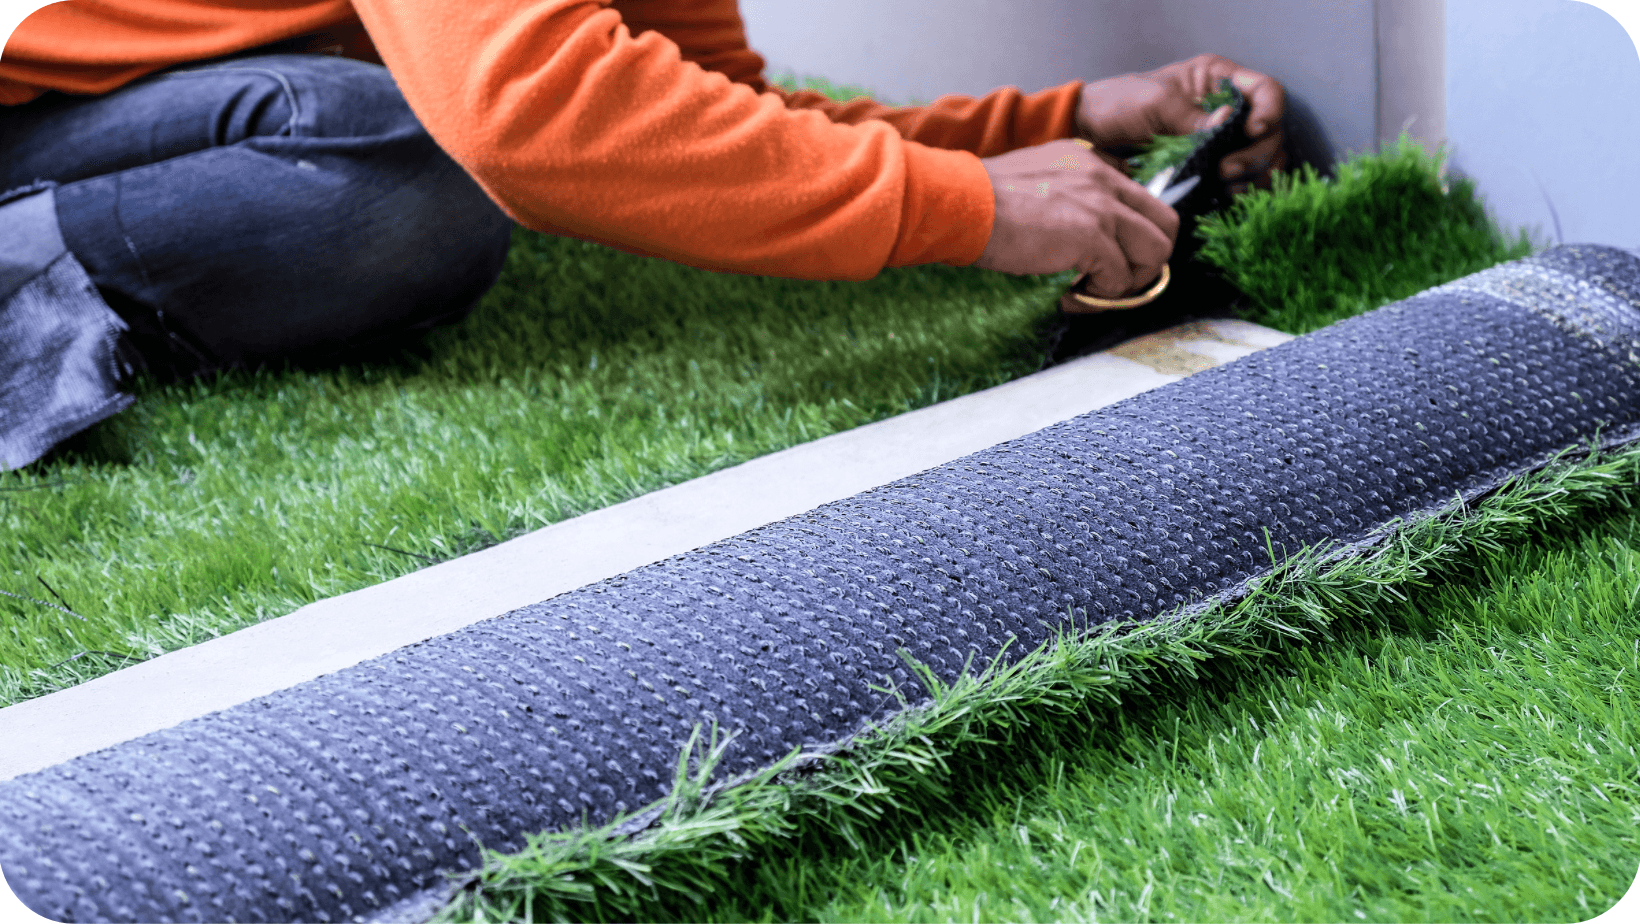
column 904, row 50
column 1543, row 106
column 1411, row 70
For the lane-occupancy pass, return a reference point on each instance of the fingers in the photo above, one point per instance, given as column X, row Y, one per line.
column 1059, row 207
column 1259, row 180
column 1143, row 230
column 1146, row 246
column 1266, row 99
column 1155, row 212
column 1214, row 119
column 1280, row 161
column 1132, row 256
column 1110, row 275
column 1180, row 113
column 1255, row 160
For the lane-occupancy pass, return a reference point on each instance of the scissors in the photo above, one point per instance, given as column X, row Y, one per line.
column 1221, row 140
column 1171, row 194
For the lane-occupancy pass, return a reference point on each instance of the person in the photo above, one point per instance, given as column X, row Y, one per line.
column 200, row 185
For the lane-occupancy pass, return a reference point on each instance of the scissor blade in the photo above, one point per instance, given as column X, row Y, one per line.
column 1159, row 181
column 1171, row 195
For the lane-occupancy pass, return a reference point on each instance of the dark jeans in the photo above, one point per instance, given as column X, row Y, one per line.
column 256, row 209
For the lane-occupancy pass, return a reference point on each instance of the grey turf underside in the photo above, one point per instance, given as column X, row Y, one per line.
column 346, row 794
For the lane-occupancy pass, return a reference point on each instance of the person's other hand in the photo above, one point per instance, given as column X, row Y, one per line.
column 1059, row 206
column 1131, row 109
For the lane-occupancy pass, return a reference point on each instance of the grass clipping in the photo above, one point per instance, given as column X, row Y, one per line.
column 1305, row 253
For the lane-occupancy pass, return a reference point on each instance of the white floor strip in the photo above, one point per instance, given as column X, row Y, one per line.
column 342, row 631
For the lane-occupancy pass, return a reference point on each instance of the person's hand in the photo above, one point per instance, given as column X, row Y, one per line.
column 1059, row 206
column 1131, row 109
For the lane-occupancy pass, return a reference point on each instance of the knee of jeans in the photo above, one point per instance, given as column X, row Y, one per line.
column 236, row 104
column 443, row 249
column 341, row 97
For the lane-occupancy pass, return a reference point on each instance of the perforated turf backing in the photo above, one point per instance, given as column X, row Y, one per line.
column 340, row 796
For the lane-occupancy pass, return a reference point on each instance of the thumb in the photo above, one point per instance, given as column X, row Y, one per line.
column 1212, row 120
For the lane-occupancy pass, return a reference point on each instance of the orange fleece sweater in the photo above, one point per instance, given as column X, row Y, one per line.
column 642, row 124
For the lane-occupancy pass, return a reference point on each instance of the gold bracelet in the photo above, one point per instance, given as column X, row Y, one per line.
column 1132, row 301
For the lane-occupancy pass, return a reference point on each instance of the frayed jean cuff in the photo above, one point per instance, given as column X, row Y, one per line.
column 59, row 369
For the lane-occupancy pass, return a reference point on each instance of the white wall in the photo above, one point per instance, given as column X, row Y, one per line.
column 1322, row 50
column 1543, row 106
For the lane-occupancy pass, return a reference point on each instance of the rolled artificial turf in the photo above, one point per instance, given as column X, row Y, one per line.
column 1461, row 755
column 1443, row 731
column 1416, row 666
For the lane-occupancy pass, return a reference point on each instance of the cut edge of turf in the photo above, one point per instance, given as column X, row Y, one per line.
column 683, row 847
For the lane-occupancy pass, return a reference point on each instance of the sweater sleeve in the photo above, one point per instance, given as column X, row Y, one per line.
column 996, row 123
column 576, row 126
column 711, row 33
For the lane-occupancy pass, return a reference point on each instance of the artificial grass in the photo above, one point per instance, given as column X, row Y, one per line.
column 586, row 377
column 1307, row 253
column 1468, row 758
column 1165, row 151
column 589, row 376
